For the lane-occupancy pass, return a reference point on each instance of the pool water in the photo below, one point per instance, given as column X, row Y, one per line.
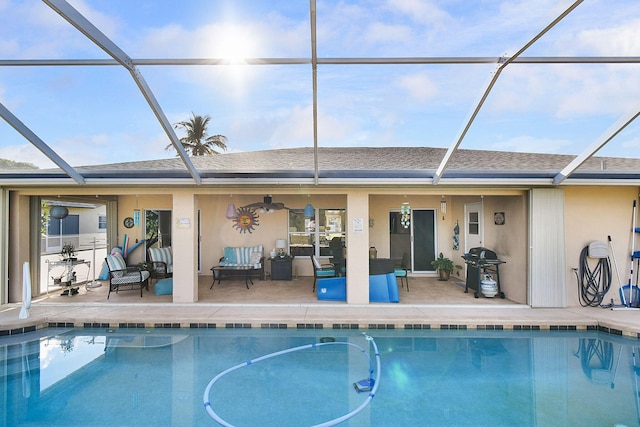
column 157, row 377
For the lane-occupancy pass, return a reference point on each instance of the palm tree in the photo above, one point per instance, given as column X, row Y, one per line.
column 197, row 142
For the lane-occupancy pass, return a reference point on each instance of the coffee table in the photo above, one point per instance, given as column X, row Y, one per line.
column 220, row 271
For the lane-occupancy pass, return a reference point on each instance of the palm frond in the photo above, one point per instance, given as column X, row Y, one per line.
column 197, row 142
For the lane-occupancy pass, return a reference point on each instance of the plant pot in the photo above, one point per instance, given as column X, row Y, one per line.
column 444, row 275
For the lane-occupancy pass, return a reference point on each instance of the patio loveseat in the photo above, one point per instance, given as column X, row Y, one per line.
column 244, row 261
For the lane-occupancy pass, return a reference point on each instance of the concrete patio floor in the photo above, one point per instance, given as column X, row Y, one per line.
column 278, row 304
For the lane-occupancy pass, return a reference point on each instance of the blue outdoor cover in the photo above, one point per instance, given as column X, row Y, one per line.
column 332, row 289
column 383, row 288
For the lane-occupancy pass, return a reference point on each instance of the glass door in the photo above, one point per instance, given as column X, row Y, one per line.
column 423, row 224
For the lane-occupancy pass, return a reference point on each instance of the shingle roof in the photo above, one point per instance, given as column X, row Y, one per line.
column 360, row 162
column 374, row 158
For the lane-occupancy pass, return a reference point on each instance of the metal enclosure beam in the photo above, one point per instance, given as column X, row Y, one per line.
column 426, row 60
column 314, row 77
column 24, row 130
column 607, row 136
column 501, row 66
column 83, row 25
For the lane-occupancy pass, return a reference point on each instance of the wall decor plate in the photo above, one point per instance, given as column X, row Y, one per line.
column 246, row 220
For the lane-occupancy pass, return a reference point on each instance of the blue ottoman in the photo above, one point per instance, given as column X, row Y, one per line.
column 164, row 286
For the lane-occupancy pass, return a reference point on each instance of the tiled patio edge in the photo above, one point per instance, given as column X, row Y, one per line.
column 610, row 329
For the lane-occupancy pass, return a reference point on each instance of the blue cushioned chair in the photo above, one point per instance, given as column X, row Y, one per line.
column 321, row 271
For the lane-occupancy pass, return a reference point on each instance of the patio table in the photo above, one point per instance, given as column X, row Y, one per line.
column 220, row 271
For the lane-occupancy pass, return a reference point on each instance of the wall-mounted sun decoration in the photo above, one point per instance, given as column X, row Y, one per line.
column 246, row 220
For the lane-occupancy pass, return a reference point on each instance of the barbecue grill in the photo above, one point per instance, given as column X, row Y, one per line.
column 481, row 261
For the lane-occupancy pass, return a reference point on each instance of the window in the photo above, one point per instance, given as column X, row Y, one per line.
column 312, row 236
column 67, row 226
column 102, row 222
column 474, row 223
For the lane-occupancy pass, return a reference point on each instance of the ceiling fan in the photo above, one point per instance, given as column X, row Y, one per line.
column 266, row 205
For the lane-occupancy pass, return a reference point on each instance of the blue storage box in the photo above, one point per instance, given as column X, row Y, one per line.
column 332, row 289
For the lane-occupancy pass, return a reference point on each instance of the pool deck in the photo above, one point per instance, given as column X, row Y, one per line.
column 219, row 308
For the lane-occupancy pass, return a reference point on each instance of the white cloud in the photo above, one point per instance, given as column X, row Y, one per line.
column 418, row 86
column 567, row 90
column 379, row 32
column 622, row 40
column 291, row 128
column 25, row 153
column 248, row 39
column 105, row 23
column 632, row 144
column 425, row 12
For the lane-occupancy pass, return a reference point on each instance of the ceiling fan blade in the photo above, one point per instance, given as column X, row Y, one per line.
column 254, row 205
column 266, row 206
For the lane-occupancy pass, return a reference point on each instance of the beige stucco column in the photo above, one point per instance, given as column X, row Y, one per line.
column 358, row 248
column 184, row 242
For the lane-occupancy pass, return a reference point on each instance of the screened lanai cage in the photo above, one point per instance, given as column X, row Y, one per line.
column 97, row 82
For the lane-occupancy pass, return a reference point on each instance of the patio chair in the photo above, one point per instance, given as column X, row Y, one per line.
column 162, row 261
column 336, row 248
column 402, row 271
column 321, row 271
column 122, row 277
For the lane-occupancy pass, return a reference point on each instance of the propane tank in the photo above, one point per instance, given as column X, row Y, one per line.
column 488, row 286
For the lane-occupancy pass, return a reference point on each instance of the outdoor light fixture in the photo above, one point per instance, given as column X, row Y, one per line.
column 231, row 211
column 405, row 211
column 58, row 212
column 443, row 207
column 309, row 212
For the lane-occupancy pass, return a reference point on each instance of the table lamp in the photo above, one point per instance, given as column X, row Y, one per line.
column 281, row 245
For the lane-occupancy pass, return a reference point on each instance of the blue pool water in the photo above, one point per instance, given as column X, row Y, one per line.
column 157, row 377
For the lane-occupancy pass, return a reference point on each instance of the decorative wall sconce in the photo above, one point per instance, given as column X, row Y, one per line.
column 405, row 212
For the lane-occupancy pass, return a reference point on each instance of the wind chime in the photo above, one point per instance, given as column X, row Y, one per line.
column 405, row 212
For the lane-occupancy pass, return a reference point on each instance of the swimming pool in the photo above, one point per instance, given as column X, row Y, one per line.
column 124, row 377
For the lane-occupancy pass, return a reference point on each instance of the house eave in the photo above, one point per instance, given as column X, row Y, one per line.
column 381, row 177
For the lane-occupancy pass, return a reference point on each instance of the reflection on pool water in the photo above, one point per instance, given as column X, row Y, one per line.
column 124, row 377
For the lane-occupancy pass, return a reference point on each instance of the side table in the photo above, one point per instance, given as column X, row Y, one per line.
column 281, row 268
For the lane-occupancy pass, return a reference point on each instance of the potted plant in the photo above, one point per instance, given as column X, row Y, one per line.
column 443, row 265
column 68, row 252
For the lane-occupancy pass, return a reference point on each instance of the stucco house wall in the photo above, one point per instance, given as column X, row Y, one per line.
column 594, row 213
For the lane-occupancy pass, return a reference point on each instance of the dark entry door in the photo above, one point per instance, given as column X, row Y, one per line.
column 424, row 239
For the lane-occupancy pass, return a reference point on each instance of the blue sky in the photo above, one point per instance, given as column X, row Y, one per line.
column 94, row 115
